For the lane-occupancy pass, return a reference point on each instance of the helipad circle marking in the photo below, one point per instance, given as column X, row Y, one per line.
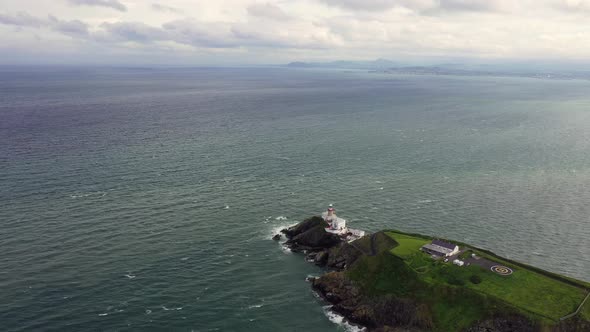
column 501, row 270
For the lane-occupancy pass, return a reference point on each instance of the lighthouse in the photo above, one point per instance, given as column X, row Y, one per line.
column 331, row 210
column 330, row 214
column 336, row 225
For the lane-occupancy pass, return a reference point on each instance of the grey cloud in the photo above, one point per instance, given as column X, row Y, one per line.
column 132, row 31
column 185, row 31
column 215, row 35
column 268, row 11
column 474, row 5
column 422, row 6
column 70, row 28
column 163, row 8
column 22, row 19
column 379, row 5
column 114, row 4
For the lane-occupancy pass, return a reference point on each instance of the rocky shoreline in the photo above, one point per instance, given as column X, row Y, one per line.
column 376, row 312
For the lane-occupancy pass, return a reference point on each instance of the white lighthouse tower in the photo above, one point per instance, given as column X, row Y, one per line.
column 336, row 225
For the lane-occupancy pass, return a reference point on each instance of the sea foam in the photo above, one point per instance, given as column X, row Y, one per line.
column 341, row 321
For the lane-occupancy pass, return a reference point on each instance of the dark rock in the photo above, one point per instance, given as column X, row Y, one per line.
column 336, row 288
column 321, row 258
column 312, row 239
column 574, row 324
column 304, row 226
column 372, row 312
column 342, row 255
column 505, row 324
column 277, row 237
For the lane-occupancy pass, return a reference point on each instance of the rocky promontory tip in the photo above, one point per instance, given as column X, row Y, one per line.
column 310, row 235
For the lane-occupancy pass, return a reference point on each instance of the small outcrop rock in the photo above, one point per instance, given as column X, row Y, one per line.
column 304, row 226
column 310, row 236
column 277, row 237
column 321, row 258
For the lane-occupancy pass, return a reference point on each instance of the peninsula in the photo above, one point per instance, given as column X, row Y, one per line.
column 396, row 281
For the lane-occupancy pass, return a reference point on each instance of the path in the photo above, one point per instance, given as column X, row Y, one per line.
column 577, row 310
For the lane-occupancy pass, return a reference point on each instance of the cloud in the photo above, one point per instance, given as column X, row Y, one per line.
column 268, row 10
column 573, row 5
column 130, row 31
column 217, row 35
column 114, row 4
column 269, row 30
column 163, row 8
column 422, row 6
column 22, row 19
column 476, row 5
column 379, row 5
column 74, row 28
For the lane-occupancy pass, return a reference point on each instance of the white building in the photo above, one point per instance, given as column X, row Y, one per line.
column 458, row 262
column 336, row 225
column 440, row 248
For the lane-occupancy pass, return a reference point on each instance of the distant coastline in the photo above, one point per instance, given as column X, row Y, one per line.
column 448, row 69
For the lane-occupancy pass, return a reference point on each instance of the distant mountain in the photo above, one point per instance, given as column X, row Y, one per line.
column 454, row 69
column 372, row 65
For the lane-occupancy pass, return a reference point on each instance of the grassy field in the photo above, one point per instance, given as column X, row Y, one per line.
column 527, row 290
column 408, row 245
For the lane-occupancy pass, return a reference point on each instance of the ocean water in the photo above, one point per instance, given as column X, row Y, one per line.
column 145, row 199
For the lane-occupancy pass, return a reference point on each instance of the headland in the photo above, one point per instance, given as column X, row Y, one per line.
column 395, row 281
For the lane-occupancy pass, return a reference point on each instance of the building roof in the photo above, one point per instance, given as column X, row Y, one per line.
column 444, row 244
column 436, row 249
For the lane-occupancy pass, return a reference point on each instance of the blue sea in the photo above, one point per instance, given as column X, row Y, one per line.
column 144, row 199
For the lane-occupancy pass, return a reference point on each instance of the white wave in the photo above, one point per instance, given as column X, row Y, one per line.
column 130, row 276
column 276, row 229
column 92, row 193
column 255, row 306
column 423, row 201
column 281, row 218
column 226, row 207
column 184, row 259
column 341, row 321
column 148, row 311
column 310, row 277
column 104, row 314
column 286, row 249
column 169, row 309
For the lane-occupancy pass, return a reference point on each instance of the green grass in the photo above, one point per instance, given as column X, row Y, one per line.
column 528, row 290
column 533, row 292
column 408, row 245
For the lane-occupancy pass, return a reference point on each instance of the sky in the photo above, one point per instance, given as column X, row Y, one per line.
column 214, row 32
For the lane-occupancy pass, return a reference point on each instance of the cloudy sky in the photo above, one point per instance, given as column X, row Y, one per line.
column 252, row 31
